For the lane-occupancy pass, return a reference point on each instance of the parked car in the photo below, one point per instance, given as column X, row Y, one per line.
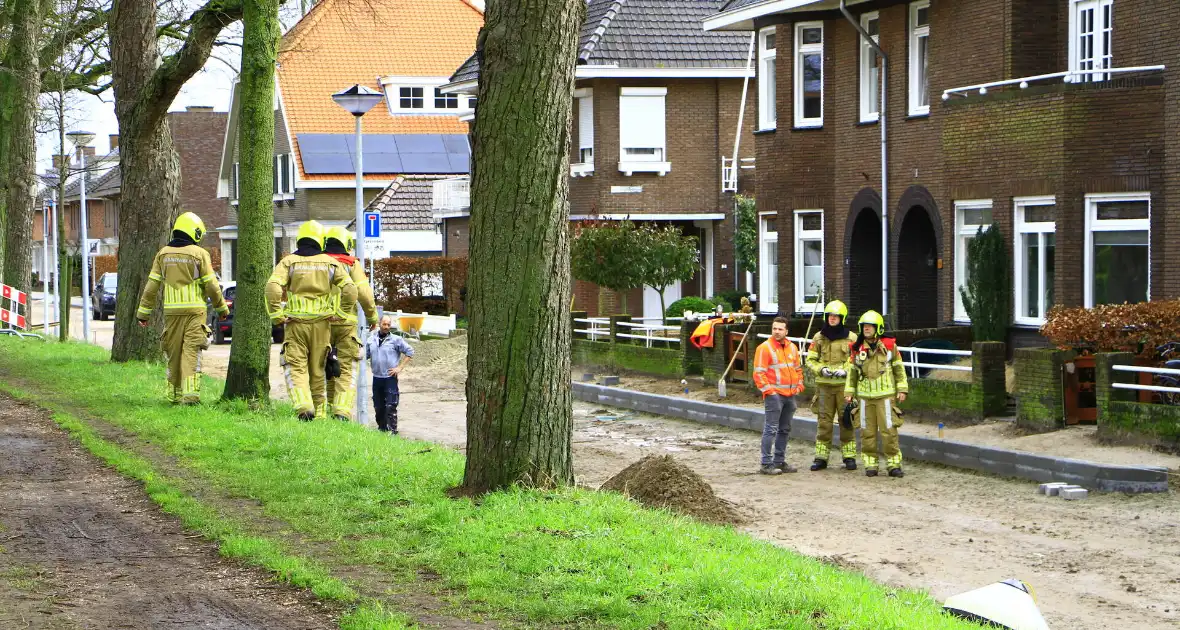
column 102, row 300
column 225, row 329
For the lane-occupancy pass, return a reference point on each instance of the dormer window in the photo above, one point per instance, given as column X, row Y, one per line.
column 421, row 95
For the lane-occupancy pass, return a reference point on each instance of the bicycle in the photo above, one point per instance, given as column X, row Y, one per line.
column 1169, row 380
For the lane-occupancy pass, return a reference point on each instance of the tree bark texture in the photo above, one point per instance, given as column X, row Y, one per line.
column 248, row 376
column 518, row 386
column 24, row 86
column 145, row 87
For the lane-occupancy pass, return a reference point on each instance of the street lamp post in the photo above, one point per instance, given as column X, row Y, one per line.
column 80, row 140
column 357, row 100
column 45, row 223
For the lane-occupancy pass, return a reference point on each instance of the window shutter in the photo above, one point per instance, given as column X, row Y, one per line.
column 641, row 118
column 237, row 181
column 285, row 170
column 274, row 176
column 586, row 121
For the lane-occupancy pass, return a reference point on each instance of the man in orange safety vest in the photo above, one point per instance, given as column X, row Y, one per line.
column 778, row 373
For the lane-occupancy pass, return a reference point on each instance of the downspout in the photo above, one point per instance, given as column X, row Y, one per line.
column 737, row 143
column 884, row 160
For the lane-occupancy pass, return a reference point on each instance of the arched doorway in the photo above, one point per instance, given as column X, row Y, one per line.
column 917, row 272
column 864, row 264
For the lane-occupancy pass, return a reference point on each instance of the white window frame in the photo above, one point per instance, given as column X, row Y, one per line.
column 1112, row 225
column 767, row 90
column 801, row 50
column 1102, row 33
column 284, row 167
column 1025, row 229
column 767, row 239
column 801, row 235
column 629, row 160
column 963, row 232
column 918, row 32
column 584, row 165
column 869, row 107
column 237, row 182
column 430, row 85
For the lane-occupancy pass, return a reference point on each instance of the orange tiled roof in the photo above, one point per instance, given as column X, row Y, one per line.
column 343, row 42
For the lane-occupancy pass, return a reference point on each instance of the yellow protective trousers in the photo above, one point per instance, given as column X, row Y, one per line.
column 828, row 409
column 305, row 348
column 342, row 389
column 185, row 336
column 877, row 417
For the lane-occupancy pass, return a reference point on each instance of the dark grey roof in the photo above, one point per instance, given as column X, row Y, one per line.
column 108, row 183
column 415, row 154
column 738, row 4
column 406, row 205
column 651, row 34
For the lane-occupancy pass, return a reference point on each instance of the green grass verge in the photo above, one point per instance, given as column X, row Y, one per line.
column 571, row 556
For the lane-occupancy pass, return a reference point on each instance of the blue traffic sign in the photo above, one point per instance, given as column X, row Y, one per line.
column 372, row 225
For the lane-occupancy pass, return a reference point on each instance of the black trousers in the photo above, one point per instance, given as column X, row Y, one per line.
column 385, row 400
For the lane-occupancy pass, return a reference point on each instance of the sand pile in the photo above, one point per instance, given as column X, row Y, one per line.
column 661, row 481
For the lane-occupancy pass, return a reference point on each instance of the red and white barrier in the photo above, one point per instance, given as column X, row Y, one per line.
column 16, row 299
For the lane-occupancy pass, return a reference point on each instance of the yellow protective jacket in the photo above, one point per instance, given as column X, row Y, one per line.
column 364, row 291
column 876, row 372
column 309, row 281
column 186, row 274
column 825, row 353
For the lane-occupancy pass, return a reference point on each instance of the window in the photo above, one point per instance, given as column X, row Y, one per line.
column 767, row 103
column 809, row 74
column 283, row 175
column 809, row 258
column 411, row 98
column 1035, row 249
column 919, row 58
column 768, row 263
column 641, row 130
column 870, row 70
column 585, row 98
column 445, row 101
column 1118, row 250
column 1091, row 25
column 970, row 218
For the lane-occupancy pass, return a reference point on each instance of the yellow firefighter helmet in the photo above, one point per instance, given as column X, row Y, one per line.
column 190, row 224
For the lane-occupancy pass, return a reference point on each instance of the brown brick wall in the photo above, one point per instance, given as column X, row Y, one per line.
column 1050, row 139
column 335, row 204
column 199, row 137
column 456, row 237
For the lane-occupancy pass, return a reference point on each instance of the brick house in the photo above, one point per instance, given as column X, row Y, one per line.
column 655, row 114
column 404, row 48
column 1054, row 120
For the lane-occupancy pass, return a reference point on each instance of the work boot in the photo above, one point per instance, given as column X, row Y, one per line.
column 819, row 464
column 769, row 470
column 342, row 418
column 850, row 463
column 870, row 473
column 307, row 416
column 785, row 467
column 896, row 472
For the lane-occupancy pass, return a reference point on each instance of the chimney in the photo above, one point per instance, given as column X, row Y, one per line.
column 114, row 141
column 199, row 108
column 60, row 161
column 88, row 151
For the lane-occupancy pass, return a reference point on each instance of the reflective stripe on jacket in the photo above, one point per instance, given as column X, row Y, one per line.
column 876, row 372
column 778, row 369
column 825, row 353
column 309, row 281
column 186, row 275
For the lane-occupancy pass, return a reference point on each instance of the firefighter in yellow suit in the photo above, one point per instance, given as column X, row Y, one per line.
column 827, row 358
column 876, row 376
column 309, row 275
column 185, row 272
column 342, row 389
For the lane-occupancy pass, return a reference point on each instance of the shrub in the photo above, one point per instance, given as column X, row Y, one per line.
column 608, row 254
column 412, row 284
column 732, row 299
column 745, row 236
column 987, row 296
column 1138, row 328
column 691, row 303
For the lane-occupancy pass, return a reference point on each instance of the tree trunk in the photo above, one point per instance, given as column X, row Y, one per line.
column 24, row 88
column 249, row 360
column 663, row 307
column 518, row 386
column 145, row 87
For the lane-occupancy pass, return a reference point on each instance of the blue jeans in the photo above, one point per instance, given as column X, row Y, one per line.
column 780, row 410
column 385, row 399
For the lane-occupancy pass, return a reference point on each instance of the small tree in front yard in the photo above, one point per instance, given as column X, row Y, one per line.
column 668, row 256
column 745, row 236
column 988, row 291
column 609, row 255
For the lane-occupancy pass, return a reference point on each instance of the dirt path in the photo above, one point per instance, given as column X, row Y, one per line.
column 1111, row 561
column 80, row 547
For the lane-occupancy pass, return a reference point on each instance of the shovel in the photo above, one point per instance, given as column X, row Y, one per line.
column 721, row 381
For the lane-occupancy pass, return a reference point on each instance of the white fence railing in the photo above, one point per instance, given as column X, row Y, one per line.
column 650, row 332
column 1163, row 389
column 452, row 194
column 916, row 366
column 1070, row 76
column 595, row 327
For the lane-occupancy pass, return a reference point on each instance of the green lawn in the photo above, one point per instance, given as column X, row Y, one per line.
column 571, row 557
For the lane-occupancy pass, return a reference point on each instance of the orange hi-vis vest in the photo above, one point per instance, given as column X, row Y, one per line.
column 778, row 369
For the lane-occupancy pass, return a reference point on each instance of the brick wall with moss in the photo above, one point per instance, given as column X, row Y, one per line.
column 1040, row 403
column 622, row 356
column 1123, row 420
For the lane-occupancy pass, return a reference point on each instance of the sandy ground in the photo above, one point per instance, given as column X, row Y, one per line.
column 1111, row 561
column 81, row 547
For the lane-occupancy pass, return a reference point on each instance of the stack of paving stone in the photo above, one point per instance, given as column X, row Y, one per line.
column 1066, row 491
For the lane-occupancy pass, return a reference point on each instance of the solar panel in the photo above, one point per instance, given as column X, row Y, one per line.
column 411, row 154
